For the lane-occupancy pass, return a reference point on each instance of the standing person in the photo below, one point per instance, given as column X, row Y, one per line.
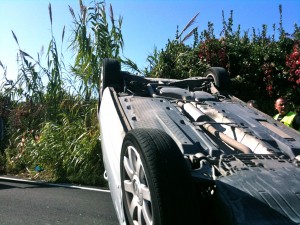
column 289, row 118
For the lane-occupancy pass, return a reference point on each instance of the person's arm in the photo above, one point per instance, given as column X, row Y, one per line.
column 296, row 122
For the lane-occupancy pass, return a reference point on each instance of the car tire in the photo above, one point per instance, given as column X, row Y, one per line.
column 220, row 78
column 110, row 75
column 156, row 183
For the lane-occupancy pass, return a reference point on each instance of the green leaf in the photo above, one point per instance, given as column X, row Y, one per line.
column 15, row 37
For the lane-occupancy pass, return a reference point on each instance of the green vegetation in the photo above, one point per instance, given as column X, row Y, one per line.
column 49, row 112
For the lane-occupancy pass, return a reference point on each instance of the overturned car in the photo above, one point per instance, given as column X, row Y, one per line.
column 187, row 152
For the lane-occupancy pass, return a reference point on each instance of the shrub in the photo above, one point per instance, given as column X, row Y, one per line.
column 52, row 120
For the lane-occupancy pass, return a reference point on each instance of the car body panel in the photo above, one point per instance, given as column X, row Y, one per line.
column 112, row 134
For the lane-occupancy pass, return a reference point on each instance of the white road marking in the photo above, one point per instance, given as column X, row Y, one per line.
column 52, row 184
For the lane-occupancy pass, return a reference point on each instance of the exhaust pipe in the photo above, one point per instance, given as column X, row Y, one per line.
column 230, row 141
column 198, row 116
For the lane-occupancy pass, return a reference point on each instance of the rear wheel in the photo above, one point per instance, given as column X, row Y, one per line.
column 110, row 76
column 220, row 78
column 156, row 182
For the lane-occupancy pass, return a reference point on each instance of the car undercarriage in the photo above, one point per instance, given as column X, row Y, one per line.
column 191, row 153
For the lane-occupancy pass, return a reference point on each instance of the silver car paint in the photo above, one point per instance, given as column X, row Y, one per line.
column 112, row 135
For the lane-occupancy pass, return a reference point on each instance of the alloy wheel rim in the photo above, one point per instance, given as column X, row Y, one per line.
column 137, row 192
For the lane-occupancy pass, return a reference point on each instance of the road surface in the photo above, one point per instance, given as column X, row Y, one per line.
column 24, row 203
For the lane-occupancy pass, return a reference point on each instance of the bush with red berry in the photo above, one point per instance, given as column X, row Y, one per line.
column 262, row 67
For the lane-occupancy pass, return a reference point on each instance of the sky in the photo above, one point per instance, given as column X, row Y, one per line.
column 146, row 23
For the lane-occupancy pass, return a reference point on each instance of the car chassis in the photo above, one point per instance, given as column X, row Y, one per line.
column 188, row 152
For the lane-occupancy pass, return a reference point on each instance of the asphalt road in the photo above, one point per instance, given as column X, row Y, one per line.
column 23, row 203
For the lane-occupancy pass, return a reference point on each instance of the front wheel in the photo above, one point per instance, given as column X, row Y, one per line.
column 156, row 182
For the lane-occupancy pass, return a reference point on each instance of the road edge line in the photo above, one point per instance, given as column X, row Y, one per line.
column 52, row 184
